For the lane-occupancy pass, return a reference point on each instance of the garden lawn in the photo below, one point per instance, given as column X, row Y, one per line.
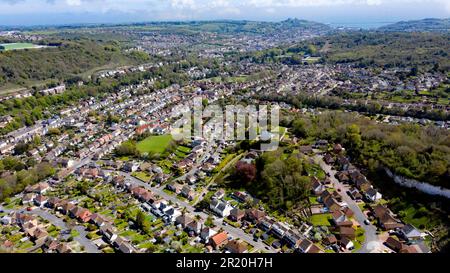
column 320, row 219
column 154, row 144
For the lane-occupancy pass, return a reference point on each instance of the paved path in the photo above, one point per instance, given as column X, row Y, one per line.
column 371, row 242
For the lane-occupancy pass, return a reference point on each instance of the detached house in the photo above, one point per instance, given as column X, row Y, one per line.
column 221, row 208
column 219, row 240
column 237, row 246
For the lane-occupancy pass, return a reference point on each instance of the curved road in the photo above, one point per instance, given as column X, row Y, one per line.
column 371, row 242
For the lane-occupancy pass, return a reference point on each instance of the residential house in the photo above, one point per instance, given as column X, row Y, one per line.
column 254, row 215
column 385, row 218
column 372, row 195
column 221, row 208
column 236, row 246
column 187, row 192
column 346, row 243
column 40, row 200
column 219, row 240
column 305, row 245
column 394, row 244
column 206, row 233
column 410, row 233
column 347, row 232
column 183, row 220
column 236, row 214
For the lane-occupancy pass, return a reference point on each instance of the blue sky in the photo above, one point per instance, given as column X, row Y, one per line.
column 30, row 12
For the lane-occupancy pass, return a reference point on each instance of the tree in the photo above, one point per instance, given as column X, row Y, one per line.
column 209, row 221
column 245, row 171
column 140, row 220
column 128, row 148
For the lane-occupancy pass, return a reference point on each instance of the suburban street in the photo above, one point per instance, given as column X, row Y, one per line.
column 372, row 242
column 234, row 232
column 89, row 246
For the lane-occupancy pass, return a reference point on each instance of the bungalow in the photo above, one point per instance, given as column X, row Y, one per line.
column 237, row 246
column 346, row 243
column 330, row 240
column 343, row 163
column 315, row 249
column 123, row 246
column 240, row 196
column 339, row 217
column 97, row 220
column 410, row 233
column 337, row 148
column 236, row 214
column 355, row 194
column 65, row 206
column 191, row 179
column 187, row 192
column 343, row 177
column 219, row 240
column 39, row 235
column 394, row 244
column 331, row 204
column 347, row 232
column 385, row 218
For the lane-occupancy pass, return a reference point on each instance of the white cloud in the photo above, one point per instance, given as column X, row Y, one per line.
column 207, row 8
column 73, row 2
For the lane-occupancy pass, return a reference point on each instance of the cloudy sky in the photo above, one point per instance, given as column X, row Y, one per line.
column 30, row 12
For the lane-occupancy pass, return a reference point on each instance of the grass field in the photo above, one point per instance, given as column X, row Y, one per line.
column 320, row 219
column 16, row 46
column 154, row 144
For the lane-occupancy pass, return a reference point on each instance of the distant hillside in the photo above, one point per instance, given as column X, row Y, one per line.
column 233, row 26
column 422, row 50
column 24, row 67
column 429, row 24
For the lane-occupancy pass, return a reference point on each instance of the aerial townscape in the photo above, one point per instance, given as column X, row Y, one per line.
column 89, row 162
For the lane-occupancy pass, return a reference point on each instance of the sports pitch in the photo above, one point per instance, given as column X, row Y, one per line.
column 17, row 46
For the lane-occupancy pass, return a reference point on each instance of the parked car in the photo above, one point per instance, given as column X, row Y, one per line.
column 367, row 222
